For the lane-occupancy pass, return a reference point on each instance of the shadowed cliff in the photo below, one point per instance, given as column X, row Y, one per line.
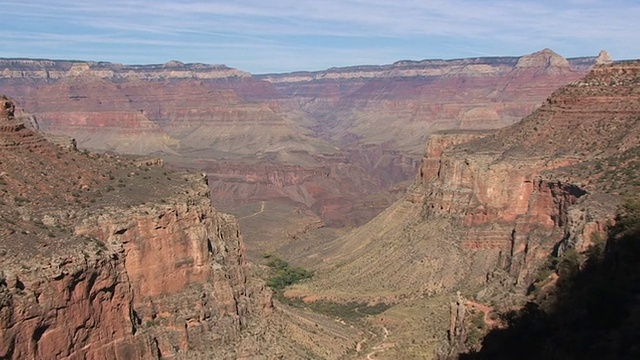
column 594, row 312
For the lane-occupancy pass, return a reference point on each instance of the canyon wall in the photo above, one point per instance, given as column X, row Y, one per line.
column 399, row 105
column 205, row 111
column 487, row 209
column 103, row 258
column 62, row 69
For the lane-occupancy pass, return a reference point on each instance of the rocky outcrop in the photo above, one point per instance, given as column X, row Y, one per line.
column 503, row 206
column 196, row 251
column 78, row 308
column 107, row 258
column 438, row 142
column 152, row 282
column 7, row 109
column 545, row 60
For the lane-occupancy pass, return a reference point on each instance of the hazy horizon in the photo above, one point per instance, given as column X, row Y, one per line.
column 286, row 36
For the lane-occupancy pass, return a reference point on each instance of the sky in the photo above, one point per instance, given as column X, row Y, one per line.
column 281, row 35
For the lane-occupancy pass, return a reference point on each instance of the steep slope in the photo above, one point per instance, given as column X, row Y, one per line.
column 571, row 318
column 484, row 214
column 109, row 257
column 95, row 266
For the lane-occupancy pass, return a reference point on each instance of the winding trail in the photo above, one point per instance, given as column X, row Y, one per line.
column 486, row 310
column 256, row 213
column 383, row 346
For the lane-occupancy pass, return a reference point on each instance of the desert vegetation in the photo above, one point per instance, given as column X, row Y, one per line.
column 284, row 274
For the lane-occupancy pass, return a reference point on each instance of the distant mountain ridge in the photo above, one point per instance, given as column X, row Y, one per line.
column 56, row 69
column 59, row 69
column 432, row 67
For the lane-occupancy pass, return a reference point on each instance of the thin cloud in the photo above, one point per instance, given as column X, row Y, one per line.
column 278, row 35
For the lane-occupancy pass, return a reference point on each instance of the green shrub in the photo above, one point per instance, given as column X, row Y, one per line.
column 285, row 275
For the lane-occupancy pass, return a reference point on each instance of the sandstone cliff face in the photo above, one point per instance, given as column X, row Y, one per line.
column 488, row 209
column 203, row 118
column 186, row 266
column 503, row 206
column 516, row 180
column 90, row 271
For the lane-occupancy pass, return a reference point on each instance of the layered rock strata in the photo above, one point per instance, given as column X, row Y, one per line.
column 367, row 122
column 60, row 69
column 490, row 208
column 399, row 105
column 106, row 258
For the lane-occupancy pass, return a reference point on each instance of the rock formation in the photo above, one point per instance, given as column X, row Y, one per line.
column 60, row 69
column 544, row 60
column 487, row 209
column 105, row 259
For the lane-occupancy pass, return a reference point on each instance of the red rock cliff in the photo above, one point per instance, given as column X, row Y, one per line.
column 143, row 270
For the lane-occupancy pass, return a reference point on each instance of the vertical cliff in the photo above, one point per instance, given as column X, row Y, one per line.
column 107, row 258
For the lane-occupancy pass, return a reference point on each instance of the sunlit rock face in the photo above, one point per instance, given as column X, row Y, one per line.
column 104, row 257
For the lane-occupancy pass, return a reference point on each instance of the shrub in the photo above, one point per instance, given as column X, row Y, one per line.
column 285, row 275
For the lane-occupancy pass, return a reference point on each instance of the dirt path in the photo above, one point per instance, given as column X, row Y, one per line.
column 383, row 346
column 256, row 213
column 486, row 310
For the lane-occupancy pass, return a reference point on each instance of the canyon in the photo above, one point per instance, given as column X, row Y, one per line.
column 105, row 256
column 79, row 281
column 488, row 210
column 109, row 255
column 331, row 148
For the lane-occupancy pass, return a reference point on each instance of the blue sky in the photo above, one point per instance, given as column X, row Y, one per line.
column 282, row 35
